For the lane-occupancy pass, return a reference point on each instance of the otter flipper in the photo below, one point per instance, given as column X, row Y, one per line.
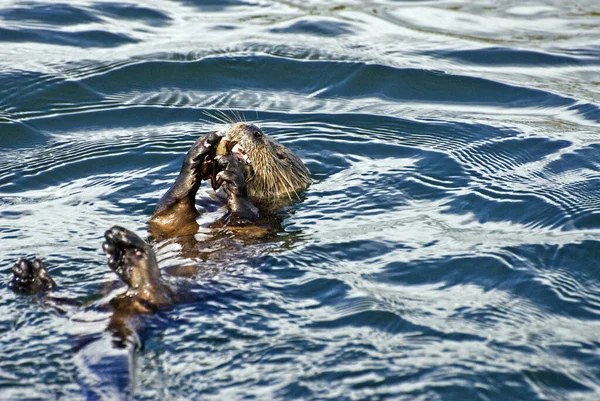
column 30, row 277
column 107, row 363
column 124, row 250
column 105, row 370
column 134, row 261
column 233, row 182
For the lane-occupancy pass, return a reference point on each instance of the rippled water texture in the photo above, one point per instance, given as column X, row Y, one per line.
column 448, row 248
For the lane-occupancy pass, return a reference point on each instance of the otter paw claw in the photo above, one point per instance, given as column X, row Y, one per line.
column 30, row 277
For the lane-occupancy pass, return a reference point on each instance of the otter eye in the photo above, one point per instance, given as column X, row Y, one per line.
column 257, row 133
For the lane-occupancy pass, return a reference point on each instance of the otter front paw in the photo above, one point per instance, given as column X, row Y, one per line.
column 30, row 277
column 233, row 182
column 187, row 183
column 203, row 150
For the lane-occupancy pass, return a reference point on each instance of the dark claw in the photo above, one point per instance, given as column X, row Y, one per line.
column 234, row 181
column 111, row 251
column 212, row 139
column 23, row 268
column 223, row 160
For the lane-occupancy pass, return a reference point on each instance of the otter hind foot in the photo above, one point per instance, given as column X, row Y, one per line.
column 135, row 263
column 125, row 251
column 30, row 277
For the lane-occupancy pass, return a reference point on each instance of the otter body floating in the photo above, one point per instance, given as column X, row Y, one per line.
column 255, row 175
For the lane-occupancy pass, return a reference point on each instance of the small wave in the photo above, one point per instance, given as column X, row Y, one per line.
column 84, row 39
column 446, row 249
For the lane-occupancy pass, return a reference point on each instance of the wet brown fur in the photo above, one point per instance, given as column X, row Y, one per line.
column 276, row 175
column 274, row 178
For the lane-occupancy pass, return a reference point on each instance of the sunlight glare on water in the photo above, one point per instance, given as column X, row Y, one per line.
column 448, row 248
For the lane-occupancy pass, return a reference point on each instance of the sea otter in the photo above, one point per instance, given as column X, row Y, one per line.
column 106, row 359
column 254, row 174
column 257, row 175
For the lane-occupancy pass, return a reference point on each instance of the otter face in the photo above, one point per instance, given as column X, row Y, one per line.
column 274, row 174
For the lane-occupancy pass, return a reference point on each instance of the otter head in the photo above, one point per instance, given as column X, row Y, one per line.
column 274, row 174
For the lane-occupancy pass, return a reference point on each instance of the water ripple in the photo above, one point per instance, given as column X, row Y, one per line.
column 447, row 248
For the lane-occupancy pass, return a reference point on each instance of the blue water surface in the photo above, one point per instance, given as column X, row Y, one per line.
column 448, row 248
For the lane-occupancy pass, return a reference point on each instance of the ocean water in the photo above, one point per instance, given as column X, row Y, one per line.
column 448, row 248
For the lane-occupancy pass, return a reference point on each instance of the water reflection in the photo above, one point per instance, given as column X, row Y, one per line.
column 447, row 249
